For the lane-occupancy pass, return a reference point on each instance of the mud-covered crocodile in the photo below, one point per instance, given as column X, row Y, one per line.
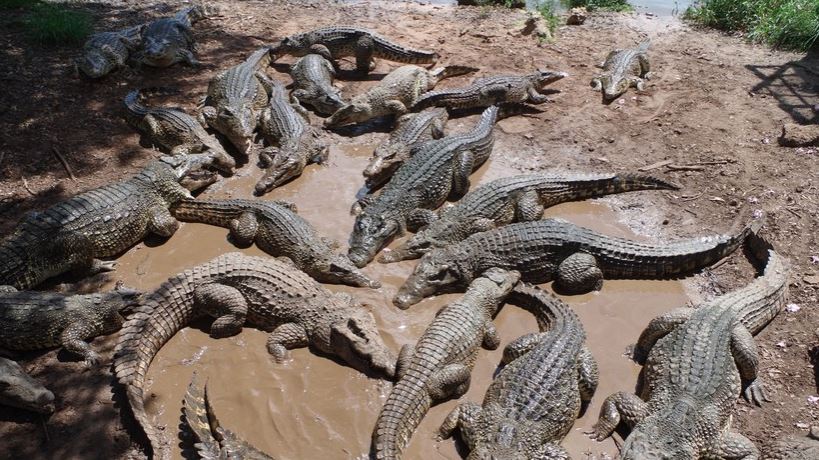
column 167, row 41
column 621, row 70
column 280, row 232
column 236, row 289
column 576, row 258
column 394, row 95
column 411, row 129
column 515, row 199
column 105, row 52
column 335, row 42
column 440, row 364
column 493, row 90
column 696, row 363
column 803, row 448
column 18, row 389
column 534, row 400
column 34, row 320
column 176, row 132
column 74, row 234
column 313, row 84
column 286, row 125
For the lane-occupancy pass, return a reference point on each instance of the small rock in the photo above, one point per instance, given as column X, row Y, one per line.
column 813, row 399
column 801, row 425
column 577, row 16
column 781, row 344
column 811, row 279
column 814, row 259
column 794, row 135
column 792, row 308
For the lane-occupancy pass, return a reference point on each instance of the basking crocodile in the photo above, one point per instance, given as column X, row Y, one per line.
column 805, row 448
column 106, row 51
column 313, row 84
column 394, row 95
column 622, row 69
column 176, row 132
column 280, row 232
column 411, row 130
column 576, row 258
column 73, row 234
column 335, row 42
column 695, row 363
column 167, row 41
column 237, row 289
column 286, row 125
column 236, row 98
column 533, row 402
column 439, row 365
column 33, row 320
column 214, row 441
column 438, row 169
column 515, row 199
column 18, row 389
column 493, row 90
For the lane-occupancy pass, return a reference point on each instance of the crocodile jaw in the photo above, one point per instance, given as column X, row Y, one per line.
column 18, row 389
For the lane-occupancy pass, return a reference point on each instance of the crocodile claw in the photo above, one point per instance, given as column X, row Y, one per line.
column 755, row 393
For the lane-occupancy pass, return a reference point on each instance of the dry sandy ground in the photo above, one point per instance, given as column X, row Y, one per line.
column 709, row 121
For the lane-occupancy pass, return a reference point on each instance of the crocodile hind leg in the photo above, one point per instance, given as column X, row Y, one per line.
column 419, row 218
column 528, row 207
column 462, row 418
column 162, row 222
column 451, row 381
column 579, row 273
column 734, row 446
column 551, row 451
column 462, row 166
column 658, row 328
column 243, row 229
column 588, row 375
column 286, row 337
column 645, row 66
column 226, row 304
column 364, row 54
column 746, row 357
column 404, row 359
column 73, row 340
column 619, row 407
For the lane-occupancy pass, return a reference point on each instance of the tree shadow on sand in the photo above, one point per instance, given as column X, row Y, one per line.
column 794, row 85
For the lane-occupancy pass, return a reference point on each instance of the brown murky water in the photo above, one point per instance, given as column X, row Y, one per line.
column 313, row 407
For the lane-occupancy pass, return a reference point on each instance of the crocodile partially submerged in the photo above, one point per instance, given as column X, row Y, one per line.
column 236, row 289
column 696, row 361
column 804, row 448
column 18, row 389
column 286, row 126
column 394, row 95
column 167, row 41
column 534, row 400
column 34, row 320
column 313, row 84
column 440, row 364
column 74, row 234
column 576, row 258
column 279, row 231
column 411, row 129
column 438, row 169
column 335, row 42
column 105, row 52
column 515, row 199
column 493, row 90
column 621, row 70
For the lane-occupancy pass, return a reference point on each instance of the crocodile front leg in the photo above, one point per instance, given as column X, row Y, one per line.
column 746, row 357
column 520, row 346
column 734, row 446
column 187, row 57
column 462, row 166
column 658, row 328
column 535, row 97
column 101, row 266
column 161, row 222
column 419, row 218
column 528, row 206
column 645, row 66
column 73, row 340
column 491, row 339
column 286, row 337
column 638, row 83
column 364, row 54
column 588, row 375
column 619, row 407
column 321, row 50
column 243, row 229
column 226, row 304
column 579, row 273
column 451, row 381
column 463, row 418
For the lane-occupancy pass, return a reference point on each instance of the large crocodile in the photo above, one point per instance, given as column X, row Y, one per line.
column 73, row 234
column 237, row 289
column 515, row 199
column 411, row 129
column 286, row 125
column 176, row 132
column 534, row 400
column 280, row 232
column 621, row 70
column 313, row 84
column 438, row 169
column 439, row 365
column 696, row 361
column 167, row 41
column 33, row 320
column 18, row 389
column 236, row 98
column 493, row 90
column 804, row 448
column 576, row 258
column 104, row 52
column 335, row 42
column 394, row 95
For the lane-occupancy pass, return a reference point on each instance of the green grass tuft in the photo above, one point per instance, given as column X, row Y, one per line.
column 547, row 11
column 54, row 24
column 603, row 5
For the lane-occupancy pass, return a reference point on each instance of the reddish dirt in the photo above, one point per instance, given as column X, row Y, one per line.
column 709, row 121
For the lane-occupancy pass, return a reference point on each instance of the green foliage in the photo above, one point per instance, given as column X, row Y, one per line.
column 505, row 3
column 15, row 4
column 603, row 5
column 55, row 23
column 547, row 10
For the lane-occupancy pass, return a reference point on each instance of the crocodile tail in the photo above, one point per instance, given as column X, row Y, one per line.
column 633, row 182
column 406, row 405
column 133, row 104
column 197, row 417
column 454, row 71
column 210, row 212
column 550, row 312
column 386, row 49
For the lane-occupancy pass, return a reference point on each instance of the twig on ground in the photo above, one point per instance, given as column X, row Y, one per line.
column 656, row 165
column 674, row 167
column 45, row 429
column 25, row 186
column 691, row 197
column 64, row 162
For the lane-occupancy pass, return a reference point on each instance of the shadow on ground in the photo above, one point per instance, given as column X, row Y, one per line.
column 794, row 85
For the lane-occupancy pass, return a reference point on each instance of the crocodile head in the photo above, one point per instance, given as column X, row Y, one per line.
column 18, row 389
column 386, row 159
column 236, row 120
column 111, row 305
column 356, row 339
column 354, row 112
column 547, row 77
column 611, row 86
column 338, row 269
column 158, row 52
column 324, row 102
column 293, row 45
column 371, row 234
column 435, row 273
column 98, row 62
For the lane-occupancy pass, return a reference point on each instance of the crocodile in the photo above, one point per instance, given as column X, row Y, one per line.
column 104, row 52
column 18, row 389
column 167, row 41
column 493, row 90
column 176, row 132
column 280, row 232
column 335, row 42
column 438, row 367
column 34, row 320
column 313, row 84
column 438, row 169
column 515, row 199
column 805, row 448
column 236, row 98
column 411, row 129
column 696, row 362
column 394, row 95
column 236, row 289
column 214, row 441
column 74, row 234
column 621, row 70
column 534, row 400
column 576, row 258
column 287, row 126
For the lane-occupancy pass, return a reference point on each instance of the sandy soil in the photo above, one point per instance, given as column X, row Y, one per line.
column 708, row 121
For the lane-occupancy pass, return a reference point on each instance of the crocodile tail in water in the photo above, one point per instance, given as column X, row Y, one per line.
column 198, row 419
